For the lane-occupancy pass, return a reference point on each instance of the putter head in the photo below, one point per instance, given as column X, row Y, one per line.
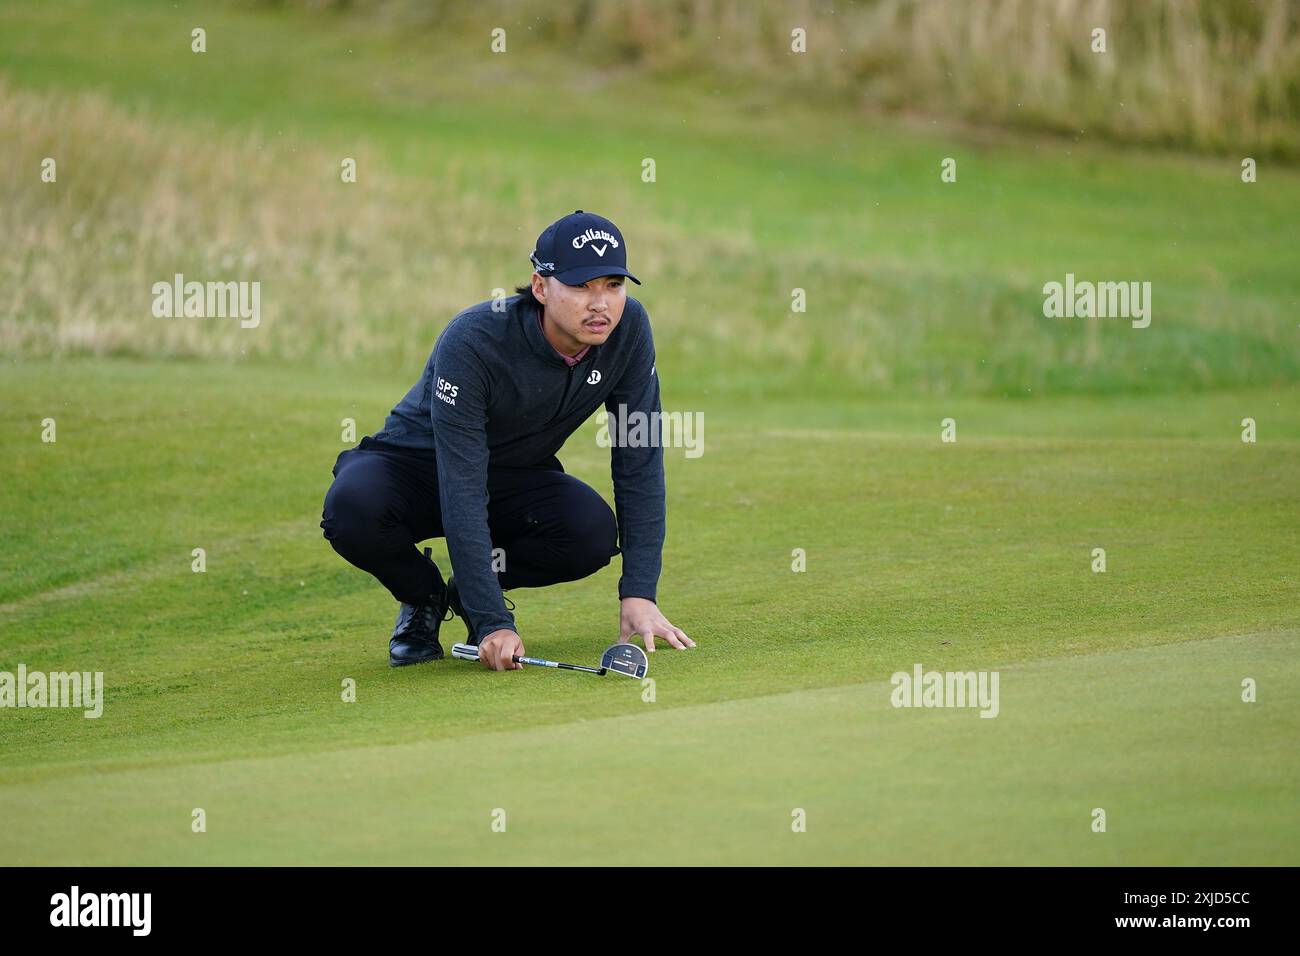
column 464, row 652
column 626, row 659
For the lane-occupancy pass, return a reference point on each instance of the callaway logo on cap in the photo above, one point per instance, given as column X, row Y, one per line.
column 580, row 247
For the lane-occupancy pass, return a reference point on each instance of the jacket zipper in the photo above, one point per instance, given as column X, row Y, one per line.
column 565, row 395
column 592, row 353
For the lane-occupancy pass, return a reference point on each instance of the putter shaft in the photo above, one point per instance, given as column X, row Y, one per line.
column 538, row 662
column 469, row 652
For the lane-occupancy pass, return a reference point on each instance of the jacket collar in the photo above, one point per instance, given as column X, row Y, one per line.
column 530, row 314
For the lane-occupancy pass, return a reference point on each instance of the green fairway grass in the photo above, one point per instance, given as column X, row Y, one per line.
column 1120, row 690
column 224, row 688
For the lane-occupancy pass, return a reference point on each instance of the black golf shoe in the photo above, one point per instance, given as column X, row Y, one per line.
column 415, row 636
column 454, row 606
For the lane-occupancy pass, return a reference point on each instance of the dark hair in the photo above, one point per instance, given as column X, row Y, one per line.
column 527, row 292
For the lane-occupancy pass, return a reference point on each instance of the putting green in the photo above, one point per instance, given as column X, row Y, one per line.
column 223, row 689
column 1159, row 738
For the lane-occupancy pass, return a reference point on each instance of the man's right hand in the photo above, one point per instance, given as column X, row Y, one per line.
column 497, row 651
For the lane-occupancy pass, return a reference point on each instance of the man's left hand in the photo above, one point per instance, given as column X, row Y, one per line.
column 639, row 616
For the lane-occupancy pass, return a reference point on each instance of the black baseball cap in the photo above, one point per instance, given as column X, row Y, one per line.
column 580, row 247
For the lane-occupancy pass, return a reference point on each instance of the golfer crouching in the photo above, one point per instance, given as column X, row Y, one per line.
column 469, row 454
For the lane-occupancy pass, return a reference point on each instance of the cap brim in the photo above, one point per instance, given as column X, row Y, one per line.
column 587, row 273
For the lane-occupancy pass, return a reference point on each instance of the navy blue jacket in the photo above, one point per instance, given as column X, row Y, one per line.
column 495, row 393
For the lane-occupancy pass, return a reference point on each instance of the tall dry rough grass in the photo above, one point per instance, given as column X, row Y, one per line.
column 345, row 271
column 366, row 272
column 369, row 273
column 1214, row 75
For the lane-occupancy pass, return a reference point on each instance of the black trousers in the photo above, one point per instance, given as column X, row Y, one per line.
column 384, row 500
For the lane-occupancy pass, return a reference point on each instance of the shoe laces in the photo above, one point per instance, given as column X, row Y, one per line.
column 428, row 615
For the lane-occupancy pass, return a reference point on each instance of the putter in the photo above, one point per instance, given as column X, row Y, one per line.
column 468, row 652
column 626, row 659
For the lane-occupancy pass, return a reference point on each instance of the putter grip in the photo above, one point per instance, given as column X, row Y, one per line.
column 534, row 661
column 468, row 652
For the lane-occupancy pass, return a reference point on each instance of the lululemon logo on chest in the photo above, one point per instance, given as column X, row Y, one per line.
column 594, row 377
